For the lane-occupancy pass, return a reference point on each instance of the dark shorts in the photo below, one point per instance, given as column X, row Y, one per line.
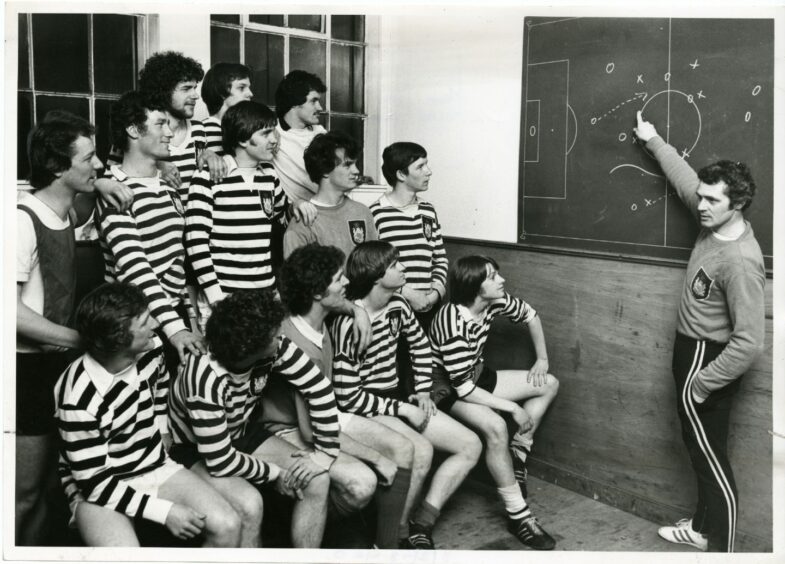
column 255, row 435
column 445, row 396
column 36, row 376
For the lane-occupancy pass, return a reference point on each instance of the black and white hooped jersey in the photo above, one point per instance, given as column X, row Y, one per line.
column 418, row 238
column 356, row 377
column 144, row 246
column 228, row 229
column 214, row 135
column 458, row 340
column 210, row 409
column 110, row 428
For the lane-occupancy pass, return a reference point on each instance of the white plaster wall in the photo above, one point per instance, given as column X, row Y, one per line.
column 452, row 82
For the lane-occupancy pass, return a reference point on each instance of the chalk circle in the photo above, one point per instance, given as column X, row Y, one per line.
column 609, row 68
column 756, row 90
column 690, row 102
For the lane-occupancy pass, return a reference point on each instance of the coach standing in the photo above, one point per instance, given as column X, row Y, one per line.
column 720, row 331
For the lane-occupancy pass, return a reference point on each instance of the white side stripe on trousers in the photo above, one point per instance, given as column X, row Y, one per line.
column 703, row 443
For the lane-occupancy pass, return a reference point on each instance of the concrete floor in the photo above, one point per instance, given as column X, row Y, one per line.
column 474, row 519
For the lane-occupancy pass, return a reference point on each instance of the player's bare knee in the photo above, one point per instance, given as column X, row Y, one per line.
column 224, row 526
column 318, row 487
column 423, row 453
column 552, row 385
column 471, row 448
column 361, row 487
column 495, row 432
column 250, row 507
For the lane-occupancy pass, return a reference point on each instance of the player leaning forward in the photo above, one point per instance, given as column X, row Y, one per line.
column 720, row 332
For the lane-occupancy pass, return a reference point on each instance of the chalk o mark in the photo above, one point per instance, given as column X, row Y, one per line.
column 593, row 120
column 532, row 131
column 756, row 90
column 747, row 117
column 667, row 77
column 622, row 137
column 575, row 124
column 609, row 68
column 614, row 169
column 634, row 207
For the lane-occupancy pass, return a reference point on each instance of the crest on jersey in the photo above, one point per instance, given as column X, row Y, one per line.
column 178, row 204
column 701, row 285
column 258, row 382
column 427, row 227
column 267, row 202
column 394, row 321
column 357, row 231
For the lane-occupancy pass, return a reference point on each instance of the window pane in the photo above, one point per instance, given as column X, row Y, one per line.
column 60, row 52
column 102, row 133
column 224, row 45
column 311, row 23
column 264, row 55
column 24, row 53
column 308, row 55
column 346, row 79
column 353, row 127
column 350, row 28
column 24, row 123
column 267, row 19
column 44, row 104
column 114, row 46
column 225, row 18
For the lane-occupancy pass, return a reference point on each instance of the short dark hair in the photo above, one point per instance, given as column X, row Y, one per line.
column 218, row 83
column 307, row 273
column 50, row 145
column 466, row 276
column 104, row 317
column 242, row 120
column 736, row 176
column 242, row 324
column 366, row 264
column 131, row 109
column 293, row 90
column 163, row 72
column 319, row 156
column 399, row 156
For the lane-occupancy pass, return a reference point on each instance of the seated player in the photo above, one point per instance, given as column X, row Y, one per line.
column 144, row 245
column 63, row 167
column 367, row 384
column 229, row 224
column 331, row 162
column 312, row 286
column 111, row 415
column 215, row 416
column 471, row 391
column 224, row 85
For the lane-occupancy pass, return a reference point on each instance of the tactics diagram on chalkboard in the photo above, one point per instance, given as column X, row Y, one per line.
column 586, row 183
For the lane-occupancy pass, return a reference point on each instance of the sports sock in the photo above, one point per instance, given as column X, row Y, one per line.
column 514, row 503
column 426, row 515
column 522, row 442
column 390, row 501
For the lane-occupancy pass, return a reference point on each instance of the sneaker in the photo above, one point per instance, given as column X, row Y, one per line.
column 520, row 471
column 419, row 538
column 682, row 533
column 530, row 532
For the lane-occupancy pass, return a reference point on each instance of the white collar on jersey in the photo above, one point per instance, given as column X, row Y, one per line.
column 102, row 379
column 316, row 337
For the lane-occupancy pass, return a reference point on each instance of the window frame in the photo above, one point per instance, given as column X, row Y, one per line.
column 145, row 28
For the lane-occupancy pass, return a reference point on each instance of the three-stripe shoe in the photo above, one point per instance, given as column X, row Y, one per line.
column 419, row 538
column 530, row 532
column 682, row 533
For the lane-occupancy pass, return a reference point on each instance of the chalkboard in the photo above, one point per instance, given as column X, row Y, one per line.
column 585, row 182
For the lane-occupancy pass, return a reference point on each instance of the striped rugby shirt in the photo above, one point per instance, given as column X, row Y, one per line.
column 355, row 377
column 416, row 233
column 228, row 229
column 183, row 155
column 110, row 427
column 457, row 340
column 144, row 246
column 214, row 135
column 209, row 408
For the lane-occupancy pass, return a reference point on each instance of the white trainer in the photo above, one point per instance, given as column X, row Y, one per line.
column 682, row 533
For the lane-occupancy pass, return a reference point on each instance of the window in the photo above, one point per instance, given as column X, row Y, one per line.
column 331, row 47
column 81, row 63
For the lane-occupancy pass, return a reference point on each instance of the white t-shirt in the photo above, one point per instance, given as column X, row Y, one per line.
column 289, row 163
column 28, row 270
